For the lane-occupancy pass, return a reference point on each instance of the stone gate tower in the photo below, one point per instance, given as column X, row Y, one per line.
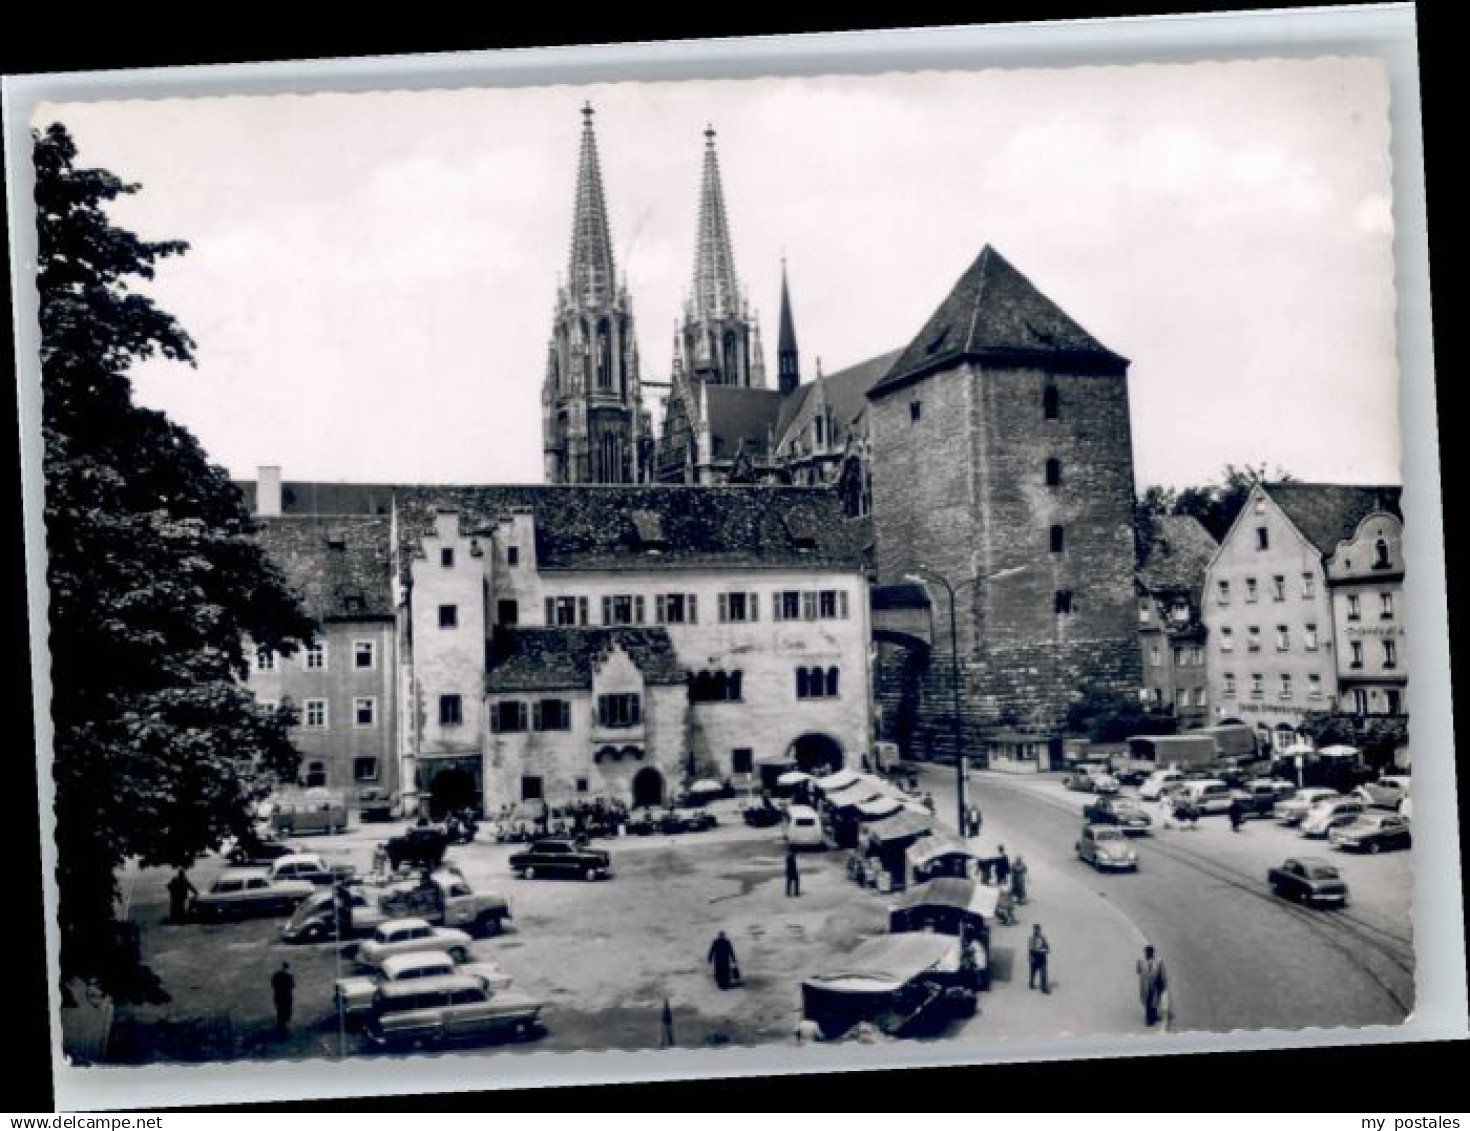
column 1003, row 463
column 594, row 425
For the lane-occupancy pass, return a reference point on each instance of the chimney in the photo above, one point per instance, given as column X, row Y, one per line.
column 268, row 492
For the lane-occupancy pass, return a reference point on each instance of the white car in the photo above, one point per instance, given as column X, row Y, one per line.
column 403, row 936
column 1387, row 792
column 1154, row 785
column 1294, row 808
column 355, row 995
column 1327, row 815
column 803, row 827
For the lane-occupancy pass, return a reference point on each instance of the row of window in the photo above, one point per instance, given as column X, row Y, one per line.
column 683, row 608
column 316, row 715
column 1380, row 547
column 1278, row 588
column 1355, row 606
column 1187, row 696
column 1283, row 638
column 364, row 770
column 1192, row 656
column 446, row 556
column 622, row 711
column 1284, row 687
column 314, row 657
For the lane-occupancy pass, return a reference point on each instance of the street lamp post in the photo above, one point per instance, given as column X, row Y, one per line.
column 919, row 576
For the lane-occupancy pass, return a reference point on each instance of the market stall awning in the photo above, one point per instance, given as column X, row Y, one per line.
column 889, row 962
column 902, row 825
column 931, row 848
column 833, row 782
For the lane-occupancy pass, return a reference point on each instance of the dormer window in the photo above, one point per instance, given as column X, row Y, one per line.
column 648, row 526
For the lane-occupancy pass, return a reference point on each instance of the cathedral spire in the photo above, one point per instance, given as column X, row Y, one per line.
column 788, row 363
column 716, row 291
column 590, row 277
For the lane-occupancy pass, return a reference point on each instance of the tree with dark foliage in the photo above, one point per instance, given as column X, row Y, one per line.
column 1216, row 505
column 155, row 582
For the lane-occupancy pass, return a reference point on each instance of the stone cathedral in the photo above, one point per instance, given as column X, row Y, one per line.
column 992, row 451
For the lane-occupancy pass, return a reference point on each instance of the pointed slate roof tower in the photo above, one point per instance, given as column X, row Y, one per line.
column 594, row 425
column 717, row 332
column 788, row 361
column 996, row 316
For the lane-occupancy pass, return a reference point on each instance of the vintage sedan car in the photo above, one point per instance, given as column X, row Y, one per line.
column 1309, row 880
column 310, row 867
column 691, row 820
column 1124, row 812
column 354, row 996
column 1156, row 783
column 1329, row 813
column 242, row 892
column 1259, row 798
column 1294, row 808
column 763, row 816
column 449, row 1008
column 255, row 851
column 1106, row 849
column 1388, row 792
column 422, row 846
column 1091, row 779
column 561, row 858
column 403, row 936
column 1372, row 833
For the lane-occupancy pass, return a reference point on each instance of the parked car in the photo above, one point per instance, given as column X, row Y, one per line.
column 1154, row 785
column 1329, row 813
column 763, row 816
column 354, row 995
column 242, row 892
column 255, row 851
column 310, row 867
column 1309, row 880
column 691, row 820
column 1091, row 779
column 1388, row 792
column 403, row 936
column 561, row 858
column 1124, row 812
column 1372, row 833
column 1294, row 808
column 374, row 804
column 452, row 1007
column 1105, row 847
column 804, row 828
column 1258, row 798
column 1210, row 795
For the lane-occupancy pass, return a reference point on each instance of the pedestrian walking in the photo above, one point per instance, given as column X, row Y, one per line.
column 793, row 874
column 666, row 1027
column 1001, row 865
column 1237, row 814
column 1153, row 984
column 1038, row 951
column 722, row 954
column 283, row 990
column 973, row 819
column 179, row 891
column 1018, row 879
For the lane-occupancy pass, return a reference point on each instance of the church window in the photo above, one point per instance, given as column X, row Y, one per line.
column 732, row 360
column 1053, row 473
column 604, row 355
column 1050, row 402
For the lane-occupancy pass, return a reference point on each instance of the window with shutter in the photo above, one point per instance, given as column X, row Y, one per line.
column 693, row 609
column 550, row 612
column 607, row 616
column 808, row 606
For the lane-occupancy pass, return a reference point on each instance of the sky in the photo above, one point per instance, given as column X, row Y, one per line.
column 372, row 276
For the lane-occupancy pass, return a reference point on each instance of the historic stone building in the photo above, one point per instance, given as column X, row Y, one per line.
column 1276, row 647
column 1171, row 629
column 1365, row 576
column 595, row 426
column 1002, row 467
column 343, row 686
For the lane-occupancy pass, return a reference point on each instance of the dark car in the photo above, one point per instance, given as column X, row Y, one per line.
column 1127, row 814
column 1258, row 798
column 258, row 852
column 1372, row 833
column 762, row 816
column 421, row 847
column 689, row 820
column 560, row 858
column 1309, row 880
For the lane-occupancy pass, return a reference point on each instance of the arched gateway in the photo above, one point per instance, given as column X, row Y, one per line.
column 817, row 754
column 648, row 787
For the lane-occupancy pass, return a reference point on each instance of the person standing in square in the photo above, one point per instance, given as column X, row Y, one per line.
column 1038, row 951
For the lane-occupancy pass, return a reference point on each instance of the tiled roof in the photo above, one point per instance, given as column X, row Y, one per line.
column 995, row 314
column 593, row 527
column 846, row 392
column 550, row 659
column 737, row 414
column 1329, row 513
column 339, row 567
column 1178, row 556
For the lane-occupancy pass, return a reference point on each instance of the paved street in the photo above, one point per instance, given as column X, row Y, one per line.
column 1238, row 956
column 605, row 955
